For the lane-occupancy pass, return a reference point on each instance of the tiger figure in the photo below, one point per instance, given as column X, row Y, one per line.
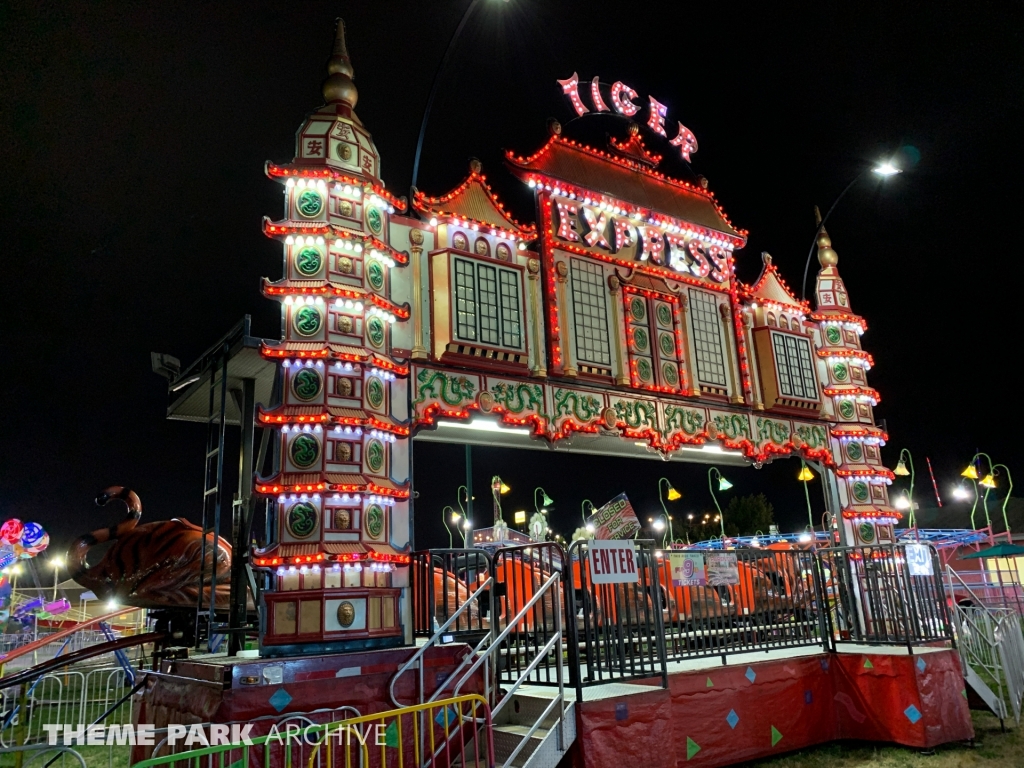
column 154, row 565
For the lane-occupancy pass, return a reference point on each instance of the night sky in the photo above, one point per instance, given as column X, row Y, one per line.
column 134, row 138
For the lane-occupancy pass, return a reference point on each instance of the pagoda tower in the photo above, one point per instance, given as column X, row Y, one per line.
column 338, row 560
column 868, row 518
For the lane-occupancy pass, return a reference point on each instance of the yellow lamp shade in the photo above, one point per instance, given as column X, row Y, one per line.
column 901, row 469
column 970, row 472
column 673, row 494
column 504, row 489
column 805, row 475
column 988, row 481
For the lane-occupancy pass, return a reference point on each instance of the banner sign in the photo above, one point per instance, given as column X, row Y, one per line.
column 688, row 569
column 615, row 520
column 723, row 569
column 919, row 559
column 613, row 562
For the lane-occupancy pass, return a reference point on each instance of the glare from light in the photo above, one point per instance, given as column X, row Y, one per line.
column 456, row 517
column 659, row 525
column 805, row 538
column 111, row 606
column 590, row 528
column 467, row 525
column 887, row 169
column 961, row 493
column 902, row 503
column 484, row 425
column 57, row 562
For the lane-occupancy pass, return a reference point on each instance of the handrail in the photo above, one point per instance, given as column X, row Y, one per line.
column 47, row 639
column 85, row 653
column 414, row 659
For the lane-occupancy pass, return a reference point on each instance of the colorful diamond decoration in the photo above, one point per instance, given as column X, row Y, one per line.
column 709, row 684
column 391, row 734
column 776, row 736
column 692, row 748
column 913, row 713
column 732, row 718
column 750, row 674
column 921, row 664
column 280, row 699
column 868, row 664
column 448, row 712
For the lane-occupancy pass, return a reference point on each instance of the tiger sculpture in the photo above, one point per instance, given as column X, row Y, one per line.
column 155, row 565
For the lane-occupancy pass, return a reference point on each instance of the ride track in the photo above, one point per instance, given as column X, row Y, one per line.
column 42, row 641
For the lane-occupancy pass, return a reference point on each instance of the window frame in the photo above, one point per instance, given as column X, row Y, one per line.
column 797, row 339
column 497, row 298
column 592, row 268
column 697, row 340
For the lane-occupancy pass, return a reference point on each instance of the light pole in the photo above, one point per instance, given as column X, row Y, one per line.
column 433, row 88
column 988, row 482
column 723, row 485
column 884, row 170
column 498, row 489
column 57, row 564
column 583, row 509
column 545, row 501
column 659, row 524
column 805, row 476
column 673, row 495
column 902, row 471
column 455, row 517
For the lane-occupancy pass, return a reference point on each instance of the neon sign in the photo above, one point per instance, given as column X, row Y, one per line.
column 622, row 102
column 632, row 240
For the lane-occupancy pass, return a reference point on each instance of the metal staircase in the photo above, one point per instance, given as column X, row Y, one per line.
column 991, row 646
column 530, row 730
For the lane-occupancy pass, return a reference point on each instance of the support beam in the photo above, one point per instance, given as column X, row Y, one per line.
column 241, row 518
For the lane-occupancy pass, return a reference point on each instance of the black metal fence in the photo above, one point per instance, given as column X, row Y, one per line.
column 519, row 574
column 443, row 581
column 752, row 600
column 615, row 630
column 885, row 595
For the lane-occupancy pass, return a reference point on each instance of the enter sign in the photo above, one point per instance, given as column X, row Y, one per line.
column 613, row 562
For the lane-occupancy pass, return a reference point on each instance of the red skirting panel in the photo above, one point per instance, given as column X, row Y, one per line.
column 725, row 715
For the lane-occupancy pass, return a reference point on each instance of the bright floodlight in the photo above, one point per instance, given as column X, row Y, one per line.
column 887, row 169
column 902, row 503
column 961, row 493
column 659, row 525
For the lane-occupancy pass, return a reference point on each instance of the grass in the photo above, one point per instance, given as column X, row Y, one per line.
column 992, row 749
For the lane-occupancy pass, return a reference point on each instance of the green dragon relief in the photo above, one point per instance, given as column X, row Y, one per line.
column 583, row 406
column 636, row 413
column 732, row 426
column 686, row 419
column 769, row 431
column 454, row 390
column 516, row 398
column 812, row 435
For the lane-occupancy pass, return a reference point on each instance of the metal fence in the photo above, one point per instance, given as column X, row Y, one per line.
column 520, row 572
column 769, row 600
column 877, row 596
column 616, row 630
column 442, row 582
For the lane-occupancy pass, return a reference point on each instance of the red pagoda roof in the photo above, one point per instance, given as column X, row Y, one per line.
column 771, row 288
column 299, row 482
column 316, row 414
column 320, row 350
column 327, row 288
column 321, row 172
column 473, row 200
column 627, row 180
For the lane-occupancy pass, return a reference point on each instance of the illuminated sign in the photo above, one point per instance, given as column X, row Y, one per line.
column 622, row 102
column 599, row 228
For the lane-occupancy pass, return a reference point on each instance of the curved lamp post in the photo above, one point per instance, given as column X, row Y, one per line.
column 902, row 471
column 882, row 169
column 988, row 482
column 583, row 509
column 673, row 495
column 545, row 501
column 455, row 517
column 433, row 87
column 723, row 485
column 805, row 476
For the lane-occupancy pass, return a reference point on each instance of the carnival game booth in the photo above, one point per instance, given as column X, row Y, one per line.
column 615, row 325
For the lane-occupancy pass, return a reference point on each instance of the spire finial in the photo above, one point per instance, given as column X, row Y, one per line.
column 338, row 87
column 827, row 257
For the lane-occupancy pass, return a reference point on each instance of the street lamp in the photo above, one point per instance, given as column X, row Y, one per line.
column 583, row 509
column 545, row 501
column 805, row 476
column 433, row 87
column 989, row 483
column 902, row 471
column 455, row 517
column 723, row 485
column 673, row 495
column 883, row 170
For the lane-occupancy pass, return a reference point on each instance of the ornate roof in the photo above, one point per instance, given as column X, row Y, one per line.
column 473, row 200
column 627, row 180
column 770, row 287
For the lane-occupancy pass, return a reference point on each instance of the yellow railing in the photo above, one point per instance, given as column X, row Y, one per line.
column 416, row 736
